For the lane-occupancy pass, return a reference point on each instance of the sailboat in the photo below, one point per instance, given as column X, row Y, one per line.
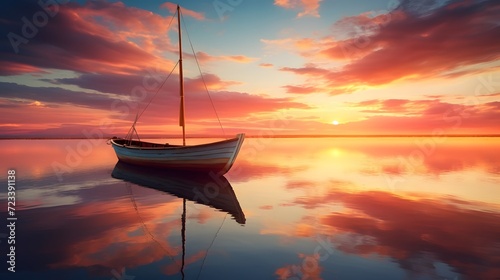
column 215, row 157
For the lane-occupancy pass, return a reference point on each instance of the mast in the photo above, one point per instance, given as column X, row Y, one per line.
column 183, row 233
column 181, row 78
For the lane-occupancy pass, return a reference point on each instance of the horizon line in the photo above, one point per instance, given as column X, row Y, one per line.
column 259, row 136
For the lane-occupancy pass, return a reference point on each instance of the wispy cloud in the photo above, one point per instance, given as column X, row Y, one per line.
column 401, row 116
column 205, row 57
column 308, row 7
column 300, row 89
column 266, row 65
column 171, row 7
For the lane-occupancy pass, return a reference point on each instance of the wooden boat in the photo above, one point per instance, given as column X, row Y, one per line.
column 216, row 156
column 211, row 190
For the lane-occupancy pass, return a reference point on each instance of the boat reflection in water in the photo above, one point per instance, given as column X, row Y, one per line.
column 208, row 189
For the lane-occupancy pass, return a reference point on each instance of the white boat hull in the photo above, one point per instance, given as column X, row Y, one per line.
column 217, row 156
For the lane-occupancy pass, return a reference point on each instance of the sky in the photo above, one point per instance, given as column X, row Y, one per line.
column 283, row 67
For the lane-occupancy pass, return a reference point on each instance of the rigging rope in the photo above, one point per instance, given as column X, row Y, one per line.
column 203, row 79
column 201, row 75
column 158, row 90
column 145, row 227
column 137, row 116
column 213, row 240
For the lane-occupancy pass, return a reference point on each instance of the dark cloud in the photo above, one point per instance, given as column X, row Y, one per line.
column 71, row 38
column 125, row 96
column 55, row 95
column 228, row 103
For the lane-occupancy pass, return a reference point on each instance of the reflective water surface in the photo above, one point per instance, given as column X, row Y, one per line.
column 290, row 208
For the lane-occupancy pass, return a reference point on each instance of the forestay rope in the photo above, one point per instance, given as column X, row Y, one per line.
column 137, row 116
column 145, row 227
column 132, row 129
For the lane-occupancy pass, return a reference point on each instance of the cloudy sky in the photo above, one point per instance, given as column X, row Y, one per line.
column 271, row 67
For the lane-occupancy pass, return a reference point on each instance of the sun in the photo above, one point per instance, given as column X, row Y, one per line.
column 335, row 122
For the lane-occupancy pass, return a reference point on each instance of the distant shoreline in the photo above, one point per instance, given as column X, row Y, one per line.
column 266, row 136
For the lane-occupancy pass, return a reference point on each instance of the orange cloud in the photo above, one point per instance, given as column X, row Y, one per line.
column 204, row 57
column 402, row 116
column 266, row 65
column 309, row 7
column 300, row 89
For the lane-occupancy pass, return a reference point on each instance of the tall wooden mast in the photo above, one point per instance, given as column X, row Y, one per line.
column 181, row 78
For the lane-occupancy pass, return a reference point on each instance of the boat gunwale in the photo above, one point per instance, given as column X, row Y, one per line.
column 240, row 138
column 169, row 146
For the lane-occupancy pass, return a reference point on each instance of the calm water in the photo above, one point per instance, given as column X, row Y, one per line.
column 311, row 208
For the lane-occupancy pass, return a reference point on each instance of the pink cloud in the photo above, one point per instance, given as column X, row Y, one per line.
column 15, row 68
column 380, row 49
column 300, row 89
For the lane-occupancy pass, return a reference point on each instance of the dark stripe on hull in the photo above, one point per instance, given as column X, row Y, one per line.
column 215, row 165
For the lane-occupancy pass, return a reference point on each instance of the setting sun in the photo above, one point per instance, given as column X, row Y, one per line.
column 335, row 122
